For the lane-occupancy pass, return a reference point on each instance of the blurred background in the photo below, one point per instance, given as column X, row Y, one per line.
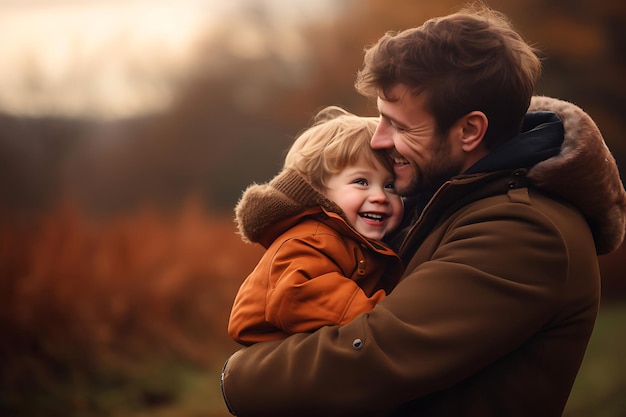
column 128, row 130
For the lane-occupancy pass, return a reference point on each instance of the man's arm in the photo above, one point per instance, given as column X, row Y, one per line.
column 450, row 317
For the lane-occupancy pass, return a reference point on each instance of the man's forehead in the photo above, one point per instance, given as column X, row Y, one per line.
column 399, row 92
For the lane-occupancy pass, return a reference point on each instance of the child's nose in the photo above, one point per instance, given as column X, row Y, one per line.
column 378, row 195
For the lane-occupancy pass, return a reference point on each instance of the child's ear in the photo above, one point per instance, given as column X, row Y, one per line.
column 474, row 127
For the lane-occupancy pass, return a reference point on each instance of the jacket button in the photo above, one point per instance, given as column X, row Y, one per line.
column 357, row 344
column 361, row 267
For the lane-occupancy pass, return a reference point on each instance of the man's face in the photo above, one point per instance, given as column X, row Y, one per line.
column 423, row 160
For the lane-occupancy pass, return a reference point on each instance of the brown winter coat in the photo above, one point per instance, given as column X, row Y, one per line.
column 494, row 312
column 317, row 270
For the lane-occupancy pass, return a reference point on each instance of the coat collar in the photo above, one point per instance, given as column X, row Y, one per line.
column 564, row 154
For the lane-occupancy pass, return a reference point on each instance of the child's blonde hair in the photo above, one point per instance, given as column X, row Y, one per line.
column 336, row 140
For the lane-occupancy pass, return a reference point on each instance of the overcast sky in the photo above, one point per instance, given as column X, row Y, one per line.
column 111, row 58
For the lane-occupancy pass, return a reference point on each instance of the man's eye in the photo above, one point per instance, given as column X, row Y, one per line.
column 397, row 128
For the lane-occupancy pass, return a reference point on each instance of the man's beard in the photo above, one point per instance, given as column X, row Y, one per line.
column 429, row 178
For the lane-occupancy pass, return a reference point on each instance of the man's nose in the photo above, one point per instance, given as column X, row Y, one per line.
column 382, row 138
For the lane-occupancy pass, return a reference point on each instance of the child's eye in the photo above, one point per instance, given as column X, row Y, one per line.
column 390, row 186
column 360, row 181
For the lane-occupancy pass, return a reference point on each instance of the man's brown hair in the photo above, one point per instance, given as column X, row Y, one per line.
column 466, row 61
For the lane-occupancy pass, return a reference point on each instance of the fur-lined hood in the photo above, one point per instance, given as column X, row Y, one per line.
column 266, row 210
column 584, row 172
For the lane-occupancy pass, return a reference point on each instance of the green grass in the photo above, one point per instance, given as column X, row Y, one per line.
column 156, row 389
column 600, row 388
column 196, row 394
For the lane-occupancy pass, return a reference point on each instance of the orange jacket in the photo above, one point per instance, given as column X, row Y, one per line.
column 319, row 271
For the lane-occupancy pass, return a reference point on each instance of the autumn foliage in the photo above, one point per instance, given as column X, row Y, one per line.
column 80, row 294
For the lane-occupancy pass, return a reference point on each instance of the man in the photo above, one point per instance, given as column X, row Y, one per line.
column 501, row 290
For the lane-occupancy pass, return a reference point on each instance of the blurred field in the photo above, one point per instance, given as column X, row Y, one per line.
column 601, row 384
column 126, row 316
column 103, row 315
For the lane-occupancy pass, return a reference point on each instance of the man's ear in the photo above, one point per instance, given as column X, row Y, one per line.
column 474, row 127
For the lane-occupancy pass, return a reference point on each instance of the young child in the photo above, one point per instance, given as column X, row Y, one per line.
column 321, row 220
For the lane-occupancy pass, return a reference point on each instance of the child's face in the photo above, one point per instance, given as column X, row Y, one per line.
column 368, row 198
